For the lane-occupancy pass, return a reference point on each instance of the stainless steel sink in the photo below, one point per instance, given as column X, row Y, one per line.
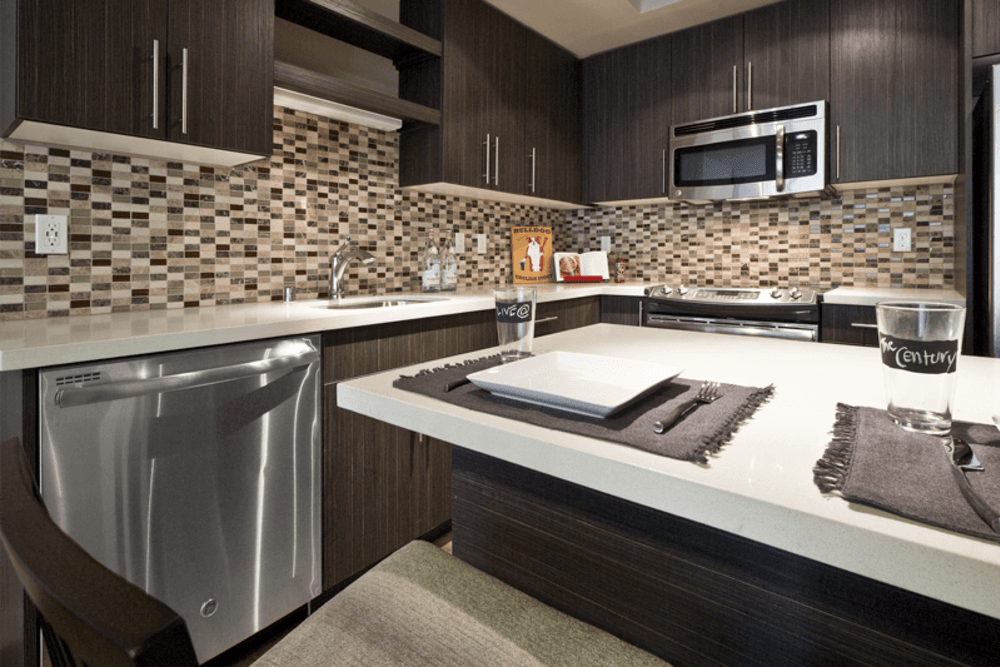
column 352, row 304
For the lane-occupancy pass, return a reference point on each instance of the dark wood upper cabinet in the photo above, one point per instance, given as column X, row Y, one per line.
column 706, row 65
column 985, row 28
column 787, row 52
column 627, row 117
column 489, row 125
column 228, row 100
column 91, row 66
column 85, row 64
column 894, row 89
column 552, row 121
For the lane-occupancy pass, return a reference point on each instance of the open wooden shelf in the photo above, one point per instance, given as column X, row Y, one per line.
column 326, row 87
column 358, row 26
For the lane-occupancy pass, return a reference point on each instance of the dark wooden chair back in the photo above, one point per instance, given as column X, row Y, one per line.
column 90, row 615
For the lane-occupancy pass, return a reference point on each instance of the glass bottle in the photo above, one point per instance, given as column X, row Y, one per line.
column 430, row 266
column 449, row 265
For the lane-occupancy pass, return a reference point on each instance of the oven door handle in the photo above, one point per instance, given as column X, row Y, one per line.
column 777, row 330
column 68, row 397
column 779, row 159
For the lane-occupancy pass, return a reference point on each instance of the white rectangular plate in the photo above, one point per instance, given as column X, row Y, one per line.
column 587, row 384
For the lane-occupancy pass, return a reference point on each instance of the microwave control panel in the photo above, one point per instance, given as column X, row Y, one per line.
column 800, row 154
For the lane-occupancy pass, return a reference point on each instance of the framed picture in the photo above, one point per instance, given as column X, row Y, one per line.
column 531, row 254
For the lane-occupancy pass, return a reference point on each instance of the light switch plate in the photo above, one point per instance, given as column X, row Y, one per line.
column 50, row 235
column 901, row 240
column 606, row 243
column 459, row 243
column 481, row 244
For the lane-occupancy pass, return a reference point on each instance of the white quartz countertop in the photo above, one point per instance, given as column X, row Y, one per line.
column 63, row 340
column 760, row 486
column 869, row 296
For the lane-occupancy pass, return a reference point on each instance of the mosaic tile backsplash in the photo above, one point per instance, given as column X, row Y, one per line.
column 150, row 234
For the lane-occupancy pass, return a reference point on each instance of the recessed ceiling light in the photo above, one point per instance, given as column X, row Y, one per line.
column 648, row 5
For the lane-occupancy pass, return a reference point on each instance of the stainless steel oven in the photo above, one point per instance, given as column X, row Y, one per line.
column 776, row 313
column 768, row 153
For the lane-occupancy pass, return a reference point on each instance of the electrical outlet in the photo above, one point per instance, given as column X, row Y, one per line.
column 481, row 244
column 50, row 235
column 606, row 243
column 459, row 243
column 901, row 240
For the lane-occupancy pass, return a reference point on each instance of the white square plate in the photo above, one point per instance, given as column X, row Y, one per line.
column 587, row 384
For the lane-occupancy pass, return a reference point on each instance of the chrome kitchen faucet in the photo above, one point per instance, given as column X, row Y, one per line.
column 339, row 261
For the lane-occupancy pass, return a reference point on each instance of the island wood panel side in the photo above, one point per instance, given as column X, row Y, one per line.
column 689, row 593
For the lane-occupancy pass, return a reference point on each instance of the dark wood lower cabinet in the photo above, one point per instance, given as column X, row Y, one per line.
column 555, row 316
column 622, row 310
column 694, row 595
column 384, row 486
column 850, row 325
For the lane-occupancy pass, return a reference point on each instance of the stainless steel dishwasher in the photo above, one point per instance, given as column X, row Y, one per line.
column 195, row 475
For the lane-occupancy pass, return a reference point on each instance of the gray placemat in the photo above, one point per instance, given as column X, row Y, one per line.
column 700, row 433
column 874, row 462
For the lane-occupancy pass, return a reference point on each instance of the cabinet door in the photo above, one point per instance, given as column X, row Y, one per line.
column 894, row 89
column 90, row 64
column 850, row 325
column 552, row 121
column 555, row 316
column 985, row 27
column 484, row 52
column 622, row 310
column 224, row 96
column 787, row 53
column 610, row 135
column 505, row 63
column 652, row 117
column 706, row 65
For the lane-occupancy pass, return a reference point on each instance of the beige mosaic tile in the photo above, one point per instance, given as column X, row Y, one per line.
column 154, row 234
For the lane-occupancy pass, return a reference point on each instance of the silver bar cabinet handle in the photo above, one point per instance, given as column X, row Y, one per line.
column 534, row 157
column 735, row 89
column 749, row 86
column 779, row 158
column 156, row 84
column 184, row 91
column 496, row 162
column 69, row 397
column 838, row 152
column 547, row 319
column 487, row 159
column 859, row 325
column 663, row 164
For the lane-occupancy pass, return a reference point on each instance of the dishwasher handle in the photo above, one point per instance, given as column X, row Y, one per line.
column 69, row 397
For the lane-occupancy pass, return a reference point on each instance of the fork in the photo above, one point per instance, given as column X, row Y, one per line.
column 708, row 392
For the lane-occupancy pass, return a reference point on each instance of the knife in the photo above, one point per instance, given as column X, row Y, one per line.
column 962, row 458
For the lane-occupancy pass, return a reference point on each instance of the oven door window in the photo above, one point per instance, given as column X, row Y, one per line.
column 726, row 163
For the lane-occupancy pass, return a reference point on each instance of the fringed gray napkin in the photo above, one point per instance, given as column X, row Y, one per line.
column 697, row 435
column 874, row 462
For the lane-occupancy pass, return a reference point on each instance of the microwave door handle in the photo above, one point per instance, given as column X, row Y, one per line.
column 74, row 396
column 779, row 158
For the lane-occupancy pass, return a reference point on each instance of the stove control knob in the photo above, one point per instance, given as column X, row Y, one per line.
column 666, row 291
column 795, row 293
column 682, row 290
column 776, row 293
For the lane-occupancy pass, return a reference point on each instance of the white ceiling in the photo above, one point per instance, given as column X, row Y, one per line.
column 586, row 27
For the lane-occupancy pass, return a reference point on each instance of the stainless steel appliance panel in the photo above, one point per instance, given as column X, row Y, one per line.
column 196, row 476
column 769, row 153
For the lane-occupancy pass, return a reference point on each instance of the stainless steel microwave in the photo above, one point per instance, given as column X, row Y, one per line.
column 769, row 153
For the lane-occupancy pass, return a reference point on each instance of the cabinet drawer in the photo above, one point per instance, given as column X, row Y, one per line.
column 850, row 325
column 556, row 316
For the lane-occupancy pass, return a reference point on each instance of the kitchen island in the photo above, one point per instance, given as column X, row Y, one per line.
column 850, row 575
